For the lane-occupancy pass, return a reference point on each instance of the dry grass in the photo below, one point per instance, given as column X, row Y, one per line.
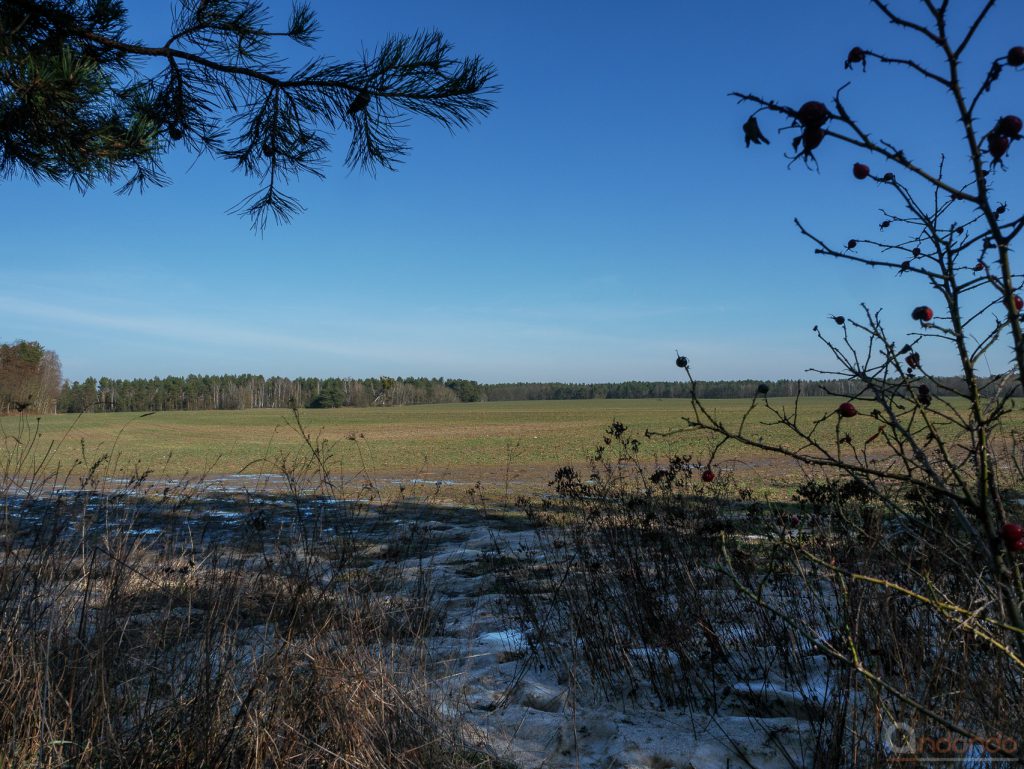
column 294, row 645
column 495, row 444
column 838, row 615
column 272, row 646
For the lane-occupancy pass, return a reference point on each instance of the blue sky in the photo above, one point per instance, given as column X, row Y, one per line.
column 606, row 214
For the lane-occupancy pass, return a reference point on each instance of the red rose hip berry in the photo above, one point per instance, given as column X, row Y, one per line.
column 1015, row 545
column 1010, row 125
column 922, row 313
column 1015, row 57
column 1018, row 303
column 861, row 171
column 812, row 138
column 1012, row 531
column 812, row 114
column 847, row 410
column 924, row 395
column 998, row 145
column 707, row 476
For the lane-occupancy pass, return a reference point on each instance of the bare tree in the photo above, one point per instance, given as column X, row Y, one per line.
column 30, row 378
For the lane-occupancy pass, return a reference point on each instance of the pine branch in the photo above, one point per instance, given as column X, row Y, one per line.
column 76, row 107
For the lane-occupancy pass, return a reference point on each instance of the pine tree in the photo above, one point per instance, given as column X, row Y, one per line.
column 82, row 103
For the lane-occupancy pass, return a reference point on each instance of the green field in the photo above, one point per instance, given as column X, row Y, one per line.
column 465, row 442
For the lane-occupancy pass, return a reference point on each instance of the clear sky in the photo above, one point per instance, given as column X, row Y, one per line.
column 606, row 214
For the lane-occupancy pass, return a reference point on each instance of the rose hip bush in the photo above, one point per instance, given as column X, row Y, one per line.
column 941, row 459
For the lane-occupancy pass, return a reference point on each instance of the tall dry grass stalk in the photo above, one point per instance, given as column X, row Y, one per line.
column 834, row 626
column 164, row 625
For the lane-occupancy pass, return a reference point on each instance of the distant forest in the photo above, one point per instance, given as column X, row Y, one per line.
column 31, row 382
column 247, row 391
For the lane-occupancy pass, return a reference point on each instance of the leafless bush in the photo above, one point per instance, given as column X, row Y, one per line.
column 829, row 612
column 624, row 553
column 921, row 576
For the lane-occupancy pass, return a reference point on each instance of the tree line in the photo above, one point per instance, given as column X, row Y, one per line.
column 253, row 391
column 247, row 391
column 30, row 381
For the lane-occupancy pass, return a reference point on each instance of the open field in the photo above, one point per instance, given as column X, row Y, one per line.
column 518, row 443
column 615, row 625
